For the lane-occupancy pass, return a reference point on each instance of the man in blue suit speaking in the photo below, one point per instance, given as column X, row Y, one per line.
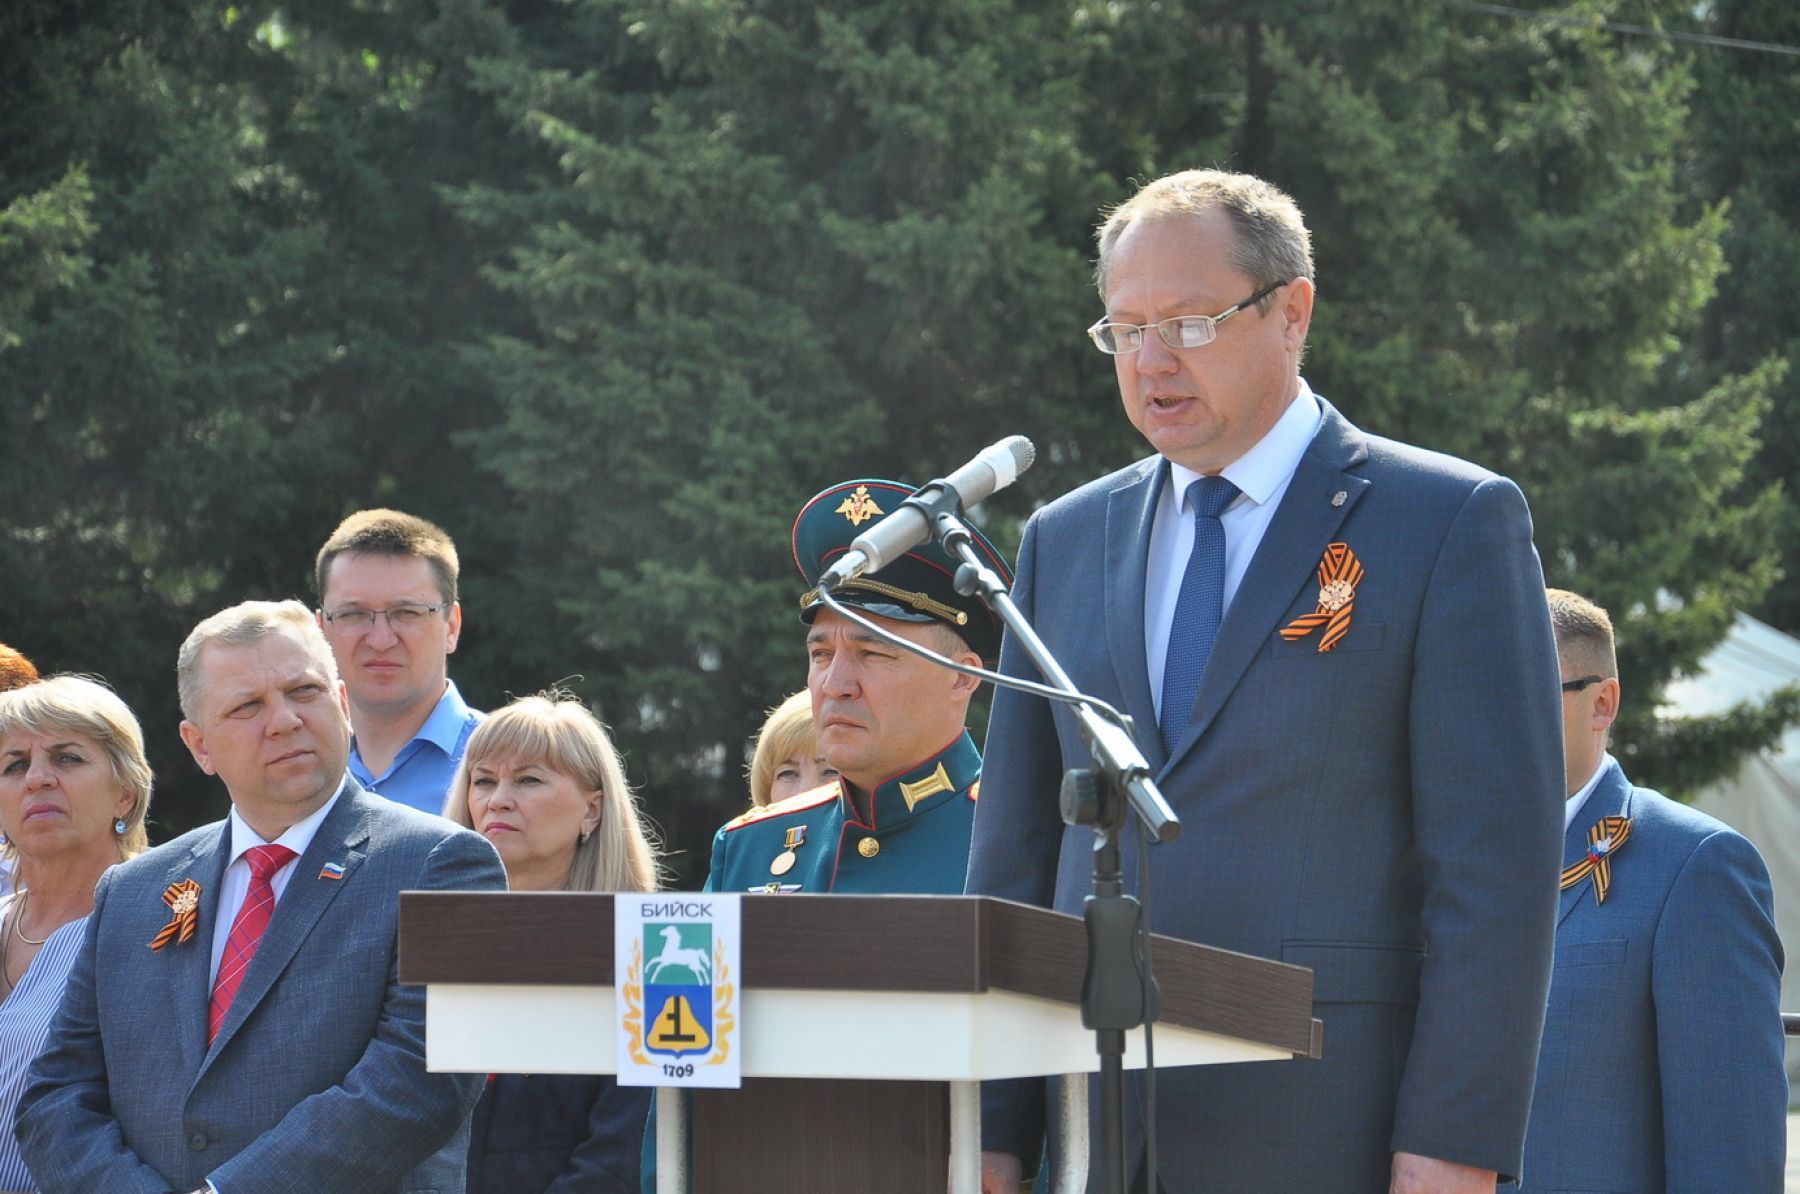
column 1337, row 653
column 233, row 1023
column 1662, row 1060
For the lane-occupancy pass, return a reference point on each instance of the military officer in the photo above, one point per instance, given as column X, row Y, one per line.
column 898, row 817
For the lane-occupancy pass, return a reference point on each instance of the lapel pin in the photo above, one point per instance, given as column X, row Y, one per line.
column 1339, row 574
column 183, row 899
column 332, row 870
column 1605, row 837
column 1337, row 499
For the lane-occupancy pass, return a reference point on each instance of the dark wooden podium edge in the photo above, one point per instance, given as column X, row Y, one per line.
column 943, row 944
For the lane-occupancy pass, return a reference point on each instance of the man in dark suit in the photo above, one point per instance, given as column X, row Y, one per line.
column 1662, row 1060
column 1337, row 654
column 234, row 1023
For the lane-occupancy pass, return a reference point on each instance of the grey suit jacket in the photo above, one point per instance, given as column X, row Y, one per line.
column 1386, row 813
column 317, row 1080
column 1662, row 1065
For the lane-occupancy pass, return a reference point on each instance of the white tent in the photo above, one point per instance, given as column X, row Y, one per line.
column 1762, row 800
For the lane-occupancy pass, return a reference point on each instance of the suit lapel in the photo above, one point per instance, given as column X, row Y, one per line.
column 1611, row 798
column 1286, row 562
column 342, row 838
column 1130, row 513
column 191, row 978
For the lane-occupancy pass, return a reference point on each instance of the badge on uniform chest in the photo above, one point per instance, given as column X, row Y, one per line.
column 784, row 861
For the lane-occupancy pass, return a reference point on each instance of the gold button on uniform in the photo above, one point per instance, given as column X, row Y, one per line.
column 868, row 847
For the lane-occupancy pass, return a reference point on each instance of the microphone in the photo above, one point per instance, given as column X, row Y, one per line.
column 993, row 469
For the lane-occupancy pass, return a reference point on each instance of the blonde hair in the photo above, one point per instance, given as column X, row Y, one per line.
column 239, row 626
column 78, row 705
column 557, row 730
column 789, row 731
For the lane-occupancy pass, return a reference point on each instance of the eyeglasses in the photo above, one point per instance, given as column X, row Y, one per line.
column 1578, row 685
column 1182, row 331
column 400, row 618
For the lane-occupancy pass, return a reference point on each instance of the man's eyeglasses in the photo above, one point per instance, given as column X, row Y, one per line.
column 1578, row 685
column 1182, row 331
column 400, row 618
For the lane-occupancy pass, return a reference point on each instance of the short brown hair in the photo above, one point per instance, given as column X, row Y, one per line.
column 1584, row 632
column 16, row 671
column 391, row 533
column 1271, row 244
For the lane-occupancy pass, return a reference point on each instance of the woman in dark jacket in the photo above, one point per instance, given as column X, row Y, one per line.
column 542, row 782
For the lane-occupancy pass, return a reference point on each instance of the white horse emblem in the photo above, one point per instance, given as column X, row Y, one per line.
column 674, row 953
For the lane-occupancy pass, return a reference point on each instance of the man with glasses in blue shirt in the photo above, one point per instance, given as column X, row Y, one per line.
column 1337, row 652
column 387, row 604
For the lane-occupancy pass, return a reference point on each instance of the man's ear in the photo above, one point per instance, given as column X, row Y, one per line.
column 1606, row 703
column 195, row 741
column 966, row 683
column 455, row 630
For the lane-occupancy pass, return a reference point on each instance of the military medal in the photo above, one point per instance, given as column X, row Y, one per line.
column 784, row 861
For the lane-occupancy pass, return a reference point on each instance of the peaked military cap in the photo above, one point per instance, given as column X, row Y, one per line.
column 917, row 587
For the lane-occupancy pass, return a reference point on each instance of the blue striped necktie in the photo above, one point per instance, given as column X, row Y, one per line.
column 1198, row 609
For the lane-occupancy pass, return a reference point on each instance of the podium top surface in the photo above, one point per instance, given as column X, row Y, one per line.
column 888, row 943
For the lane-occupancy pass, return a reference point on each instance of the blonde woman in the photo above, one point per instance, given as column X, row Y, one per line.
column 74, row 788
column 542, row 781
column 787, row 761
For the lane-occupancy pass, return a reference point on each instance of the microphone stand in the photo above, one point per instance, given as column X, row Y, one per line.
column 1118, row 991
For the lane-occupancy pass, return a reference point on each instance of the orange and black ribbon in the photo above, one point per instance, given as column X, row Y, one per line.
column 1339, row 574
column 183, row 899
column 1604, row 840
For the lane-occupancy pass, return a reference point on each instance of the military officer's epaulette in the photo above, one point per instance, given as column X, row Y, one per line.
column 823, row 794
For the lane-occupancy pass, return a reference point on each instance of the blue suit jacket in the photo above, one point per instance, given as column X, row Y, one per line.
column 1386, row 813
column 1662, row 1059
column 317, row 1080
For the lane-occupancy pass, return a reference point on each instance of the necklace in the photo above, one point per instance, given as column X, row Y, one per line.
column 19, row 921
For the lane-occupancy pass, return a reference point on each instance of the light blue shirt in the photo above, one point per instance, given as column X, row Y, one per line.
column 1262, row 475
column 421, row 773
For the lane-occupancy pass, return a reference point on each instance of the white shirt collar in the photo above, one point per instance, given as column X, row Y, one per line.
column 1264, row 470
column 1573, row 807
column 298, row 837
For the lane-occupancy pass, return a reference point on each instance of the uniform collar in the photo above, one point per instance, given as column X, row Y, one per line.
column 944, row 776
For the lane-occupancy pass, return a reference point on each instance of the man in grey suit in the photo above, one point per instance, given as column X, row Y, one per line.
column 233, row 1023
column 1337, row 653
column 1662, row 1060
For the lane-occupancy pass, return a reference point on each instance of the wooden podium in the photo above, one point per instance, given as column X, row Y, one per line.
column 867, row 1021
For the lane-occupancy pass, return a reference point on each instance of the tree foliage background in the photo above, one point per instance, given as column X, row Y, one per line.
column 610, row 287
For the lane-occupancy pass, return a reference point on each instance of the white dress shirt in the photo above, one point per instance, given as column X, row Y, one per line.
column 236, row 884
column 1580, row 798
column 1262, row 475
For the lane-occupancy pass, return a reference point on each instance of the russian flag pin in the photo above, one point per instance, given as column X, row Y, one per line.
column 332, row 870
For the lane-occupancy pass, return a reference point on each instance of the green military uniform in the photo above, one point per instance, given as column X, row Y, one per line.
column 814, row 842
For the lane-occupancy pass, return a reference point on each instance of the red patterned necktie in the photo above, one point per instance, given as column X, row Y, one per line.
column 246, row 931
